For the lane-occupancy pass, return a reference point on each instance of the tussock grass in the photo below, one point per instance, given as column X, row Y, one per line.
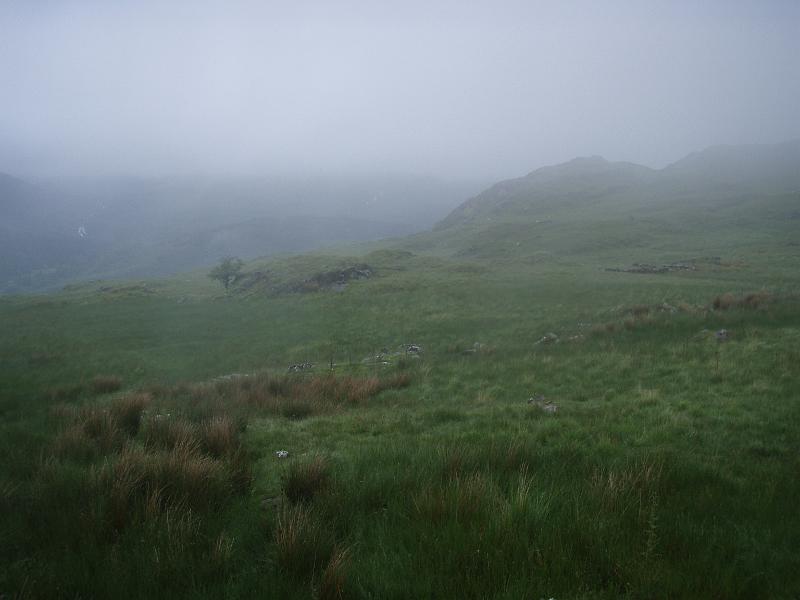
column 293, row 397
column 639, row 310
column 128, row 411
column 465, row 500
column 144, row 484
column 755, row 300
column 305, row 480
column 299, row 408
column 66, row 393
column 334, row 582
column 630, row 484
column 166, row 432
column 74, row 443
column 219, row 436
column 102, row 427
column 105, row 384
column 122, row 470
column 147, row 474
column 303, row 544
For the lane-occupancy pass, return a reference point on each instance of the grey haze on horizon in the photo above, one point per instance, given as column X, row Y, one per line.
column 482, row 90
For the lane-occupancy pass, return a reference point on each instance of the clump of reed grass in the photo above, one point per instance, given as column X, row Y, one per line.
column 240, row 470
column 101, row 426
column 754, row 300
column 73, row 443
column 219, row 436
column 288, row 396
column 297, row 408
column 333, row 584
column 146, row 484
column 128, row 411
column 105, row 384
column 302, row 542
column 66, row 393
column 461, row 499
column 305, row 480
column 639, row 310
column 166, row 432
column 724, row 301
column 757, row 300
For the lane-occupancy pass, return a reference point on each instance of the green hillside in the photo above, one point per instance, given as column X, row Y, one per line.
column 533, row 400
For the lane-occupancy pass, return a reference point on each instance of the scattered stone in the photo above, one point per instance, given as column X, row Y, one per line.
column 539, row 401
column 142, row 288
column 476, row 347
column 306, row 366
column 654, row 269
column 690, row 264
column 282, row 454
column 382, row 358
column 231, row 376
column 413, row 349
column 722, row 335
column 548, row 338
column 336, row 280
column 247, row 281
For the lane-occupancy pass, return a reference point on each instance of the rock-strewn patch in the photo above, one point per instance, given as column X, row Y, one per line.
column 683, row 265
column 335, row 279
column 277, row 283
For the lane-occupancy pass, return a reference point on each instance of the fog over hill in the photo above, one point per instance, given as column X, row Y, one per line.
column 255, row 128
column 707, row 174
column 57, row 231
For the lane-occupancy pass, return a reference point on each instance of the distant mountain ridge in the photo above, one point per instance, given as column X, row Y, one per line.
column 775, row 168
column 759, row 164
column 557, row 183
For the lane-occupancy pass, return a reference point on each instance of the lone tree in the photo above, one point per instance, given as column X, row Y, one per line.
column 227, row 271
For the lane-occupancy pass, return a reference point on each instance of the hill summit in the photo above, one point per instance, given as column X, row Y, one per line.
column 587, row 180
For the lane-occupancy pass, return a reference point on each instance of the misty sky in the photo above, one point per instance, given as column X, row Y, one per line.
column 455, row 89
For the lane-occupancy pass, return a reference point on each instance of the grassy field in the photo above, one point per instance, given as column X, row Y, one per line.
column 141, row 421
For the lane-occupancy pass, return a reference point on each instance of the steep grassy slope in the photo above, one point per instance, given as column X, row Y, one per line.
column 747, row 202
column 667, row 467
